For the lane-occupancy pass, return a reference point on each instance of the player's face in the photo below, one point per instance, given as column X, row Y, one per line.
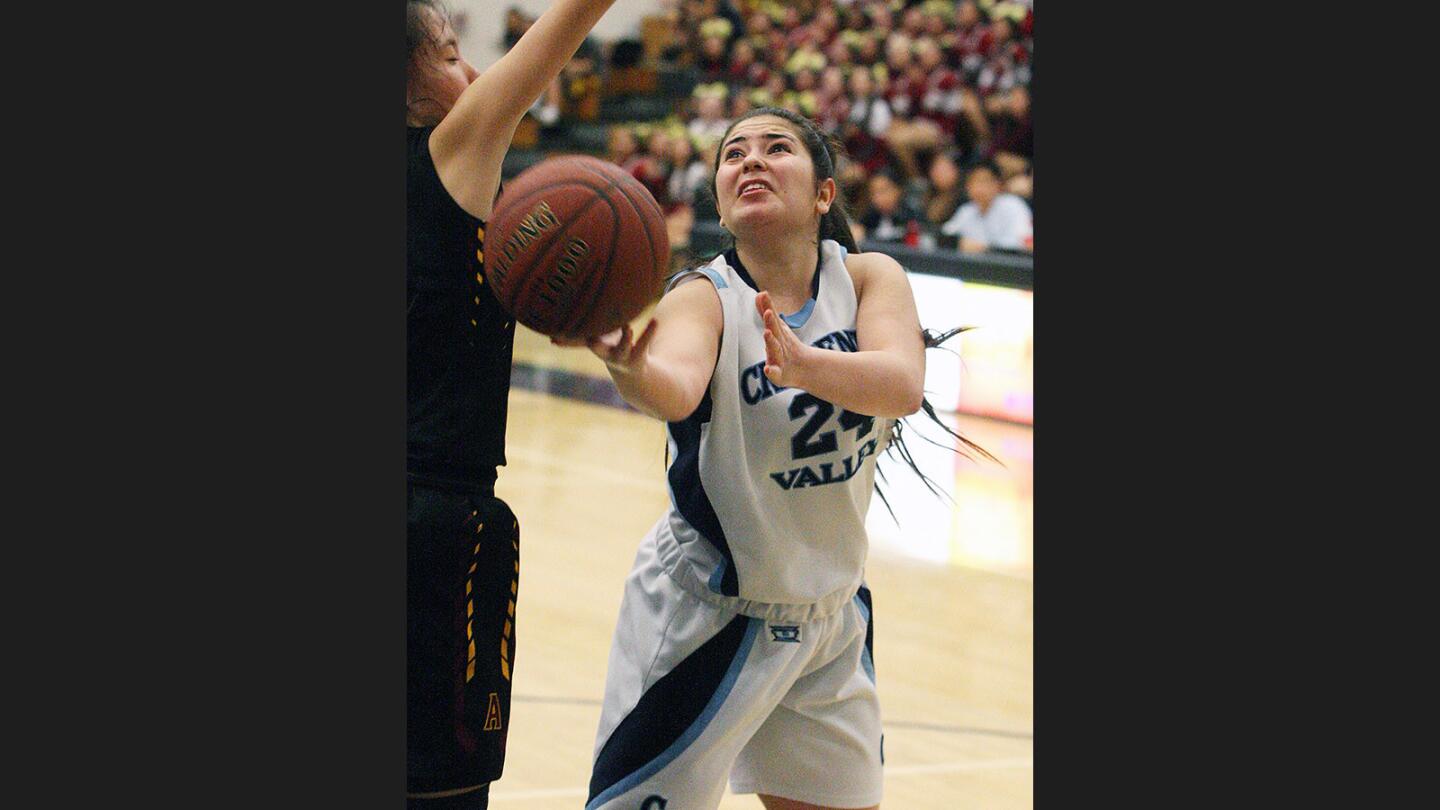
column 440, row 74
column 766, row 176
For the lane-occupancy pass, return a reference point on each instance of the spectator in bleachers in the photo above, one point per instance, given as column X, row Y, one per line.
column 839, row 53
column 943, row 88
column 832, row 105
column 710, row 125
column 993, row 218
column 796, row 34
column 940, row 23
column 857, row 18
column 970, row 37
column 825, row 26
column 580, row 83
column 516, row 24
column 744, row 70
column 757, row 31
column 911, row 132
column 775, row 88
column 622, row 148
column 712, row 63
column 945, row 193
column 654, row 170
column 1012, row 136
column 882, row 21
column 889, row 217
column 912, row 22
column 867, row 51
column 870, row 119
column 1022, row 185
column 688, row 171
column 806, row 57
column 1006, row 60
column 739, row 105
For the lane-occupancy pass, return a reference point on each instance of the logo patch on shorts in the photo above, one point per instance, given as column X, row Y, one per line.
column 653, row 802
column 493, row 722
column 785, row 632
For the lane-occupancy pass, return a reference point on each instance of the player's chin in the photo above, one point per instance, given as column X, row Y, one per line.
column 765, row 212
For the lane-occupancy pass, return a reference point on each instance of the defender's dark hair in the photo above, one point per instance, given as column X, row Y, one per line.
column 417, row 26
column 419, row 34
column 824, row 151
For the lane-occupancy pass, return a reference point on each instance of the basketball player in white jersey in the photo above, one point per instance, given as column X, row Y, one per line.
column 742, row 650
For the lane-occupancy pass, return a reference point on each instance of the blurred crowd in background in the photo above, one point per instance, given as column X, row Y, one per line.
column 929, row 98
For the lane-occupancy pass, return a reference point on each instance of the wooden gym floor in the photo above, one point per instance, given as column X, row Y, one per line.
column 953, row 595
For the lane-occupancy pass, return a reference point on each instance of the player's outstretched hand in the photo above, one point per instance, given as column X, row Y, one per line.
column 619, row 349
column 784, row 353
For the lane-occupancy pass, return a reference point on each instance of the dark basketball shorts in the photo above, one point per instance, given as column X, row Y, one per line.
column 463, row 566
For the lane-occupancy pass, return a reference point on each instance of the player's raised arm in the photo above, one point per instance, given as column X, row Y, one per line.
column 469, row 144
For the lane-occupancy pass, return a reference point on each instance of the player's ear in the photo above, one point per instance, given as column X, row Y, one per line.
column 826, row 196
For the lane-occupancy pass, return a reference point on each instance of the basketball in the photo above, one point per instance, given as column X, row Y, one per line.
column 576, row 247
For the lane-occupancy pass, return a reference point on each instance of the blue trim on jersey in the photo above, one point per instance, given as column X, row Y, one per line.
column 714, row 276
column 712, row 708
column 718, row 575
column 798, row 319
column 709, row 272
column 688, row 493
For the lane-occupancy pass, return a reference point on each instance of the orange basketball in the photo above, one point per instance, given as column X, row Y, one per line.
column 576, row 247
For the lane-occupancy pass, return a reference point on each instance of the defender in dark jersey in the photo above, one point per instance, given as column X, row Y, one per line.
column 463, row 543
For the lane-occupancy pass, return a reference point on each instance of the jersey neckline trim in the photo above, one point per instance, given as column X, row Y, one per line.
column 800, row 317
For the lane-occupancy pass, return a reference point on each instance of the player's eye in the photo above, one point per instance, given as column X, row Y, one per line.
column 732, row 153
column 780, row 145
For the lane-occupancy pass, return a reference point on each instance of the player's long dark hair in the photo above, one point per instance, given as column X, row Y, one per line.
column 825, row 152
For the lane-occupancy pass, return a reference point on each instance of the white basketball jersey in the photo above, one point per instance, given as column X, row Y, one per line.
column 769, row 486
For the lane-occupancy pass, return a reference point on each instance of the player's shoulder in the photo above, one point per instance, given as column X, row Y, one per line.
column 869, row 262
column 714, row 271
column 695, row 288
column 865, row 266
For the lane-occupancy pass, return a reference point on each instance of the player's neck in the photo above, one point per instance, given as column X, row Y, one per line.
column 783, row 267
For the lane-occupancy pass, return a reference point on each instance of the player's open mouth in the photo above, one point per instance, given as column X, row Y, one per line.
column 753, row 187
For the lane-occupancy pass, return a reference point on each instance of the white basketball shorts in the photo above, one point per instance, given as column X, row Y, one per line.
column 698, row 692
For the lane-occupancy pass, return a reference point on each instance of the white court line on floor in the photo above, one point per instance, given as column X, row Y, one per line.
column 944, row 767
column 900, row 770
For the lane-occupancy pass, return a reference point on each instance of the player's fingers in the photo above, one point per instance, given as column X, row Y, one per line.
column 621, row 352
column 774, row 353
column 779, row 328
column 604, row 345
column 610, row 338
column 762, row 303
